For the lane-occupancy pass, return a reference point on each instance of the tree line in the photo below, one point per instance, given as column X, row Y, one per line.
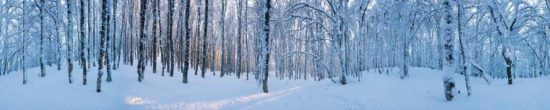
column 294, row 39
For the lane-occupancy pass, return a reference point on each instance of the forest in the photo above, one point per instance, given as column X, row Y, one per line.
column 88, row 41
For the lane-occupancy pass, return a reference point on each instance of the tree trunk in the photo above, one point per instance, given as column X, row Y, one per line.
column 42, row 28
column 69, row 39
column 224, row 55
column 239, row 39
column 156, row 18
column 169, row 39
column 58, row 31
column 187, row 38
column 103, row 35
column 142, row 41
column 265, row 47
column 108, row 42
column 90, row 33
column 24, row 49
column 448, row 80
column 113, row 43
column 464, row 70
column 204, row 40
column 82, row 44
column 508, row 60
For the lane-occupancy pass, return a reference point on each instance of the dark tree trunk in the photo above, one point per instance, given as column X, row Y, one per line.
column 142, row 40
column 42, row 28
column 108, row 43
column 24, row 49
column 103, row 34
column 224, row 55
column 82, row 44
column 204, row 39
column 508, row 60
column 156, row 17
column 187, row 38
column 113, row 42
column 169, row 40
column 266, row 46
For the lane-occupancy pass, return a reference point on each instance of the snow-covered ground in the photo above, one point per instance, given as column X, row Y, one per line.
column 423, row 90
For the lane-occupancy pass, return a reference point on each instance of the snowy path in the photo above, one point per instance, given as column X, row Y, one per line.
column 219, row 104
column 422, row 91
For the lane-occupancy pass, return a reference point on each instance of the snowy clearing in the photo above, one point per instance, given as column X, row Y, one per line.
column 422, row 91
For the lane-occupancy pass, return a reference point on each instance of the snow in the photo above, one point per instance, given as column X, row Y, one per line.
column 423, row 90
column 448, row 74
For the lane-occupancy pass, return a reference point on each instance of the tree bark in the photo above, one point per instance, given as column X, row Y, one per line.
column 204, row 39
column 82, row 44
column 103, row 35
column 187, row 38
column 448, row 50
column 42, row 28
column 265, row 47
column 142, row 41
column 69, row 39
column 169, row 39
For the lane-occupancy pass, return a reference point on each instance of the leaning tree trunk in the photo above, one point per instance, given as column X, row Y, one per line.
column 464, row 70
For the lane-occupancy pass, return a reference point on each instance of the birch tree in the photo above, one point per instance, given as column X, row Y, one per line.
column 448, row 37
column 103, row 34
column 143, row 36
column 69, row 38
column 82, row 44
column 263, row 66
column 42, row 35
column 169, row 39
column 204, row 40
column 187, row 40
